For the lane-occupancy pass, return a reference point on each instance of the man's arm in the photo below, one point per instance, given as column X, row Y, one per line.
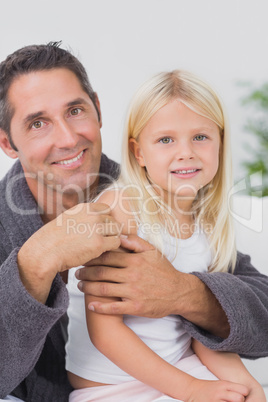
column 221, row 310
column 32, row 296
column 73, row 238
column 244, row 298
column 151, row 287
column 24, row 324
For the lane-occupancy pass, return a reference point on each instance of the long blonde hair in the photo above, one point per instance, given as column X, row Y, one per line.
column 210, row 206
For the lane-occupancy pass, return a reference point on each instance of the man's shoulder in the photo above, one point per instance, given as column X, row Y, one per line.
column 14, row 171
column 19, row 215
column 108, row 173
column 109, row 167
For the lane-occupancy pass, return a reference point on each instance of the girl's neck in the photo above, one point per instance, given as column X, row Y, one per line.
column 184, row 225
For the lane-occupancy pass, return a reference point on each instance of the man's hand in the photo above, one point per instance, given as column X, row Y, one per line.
column 149, row 286
column 75, row 237
column 146, row 282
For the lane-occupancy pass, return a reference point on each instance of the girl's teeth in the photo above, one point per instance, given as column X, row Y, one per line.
column 186, row 171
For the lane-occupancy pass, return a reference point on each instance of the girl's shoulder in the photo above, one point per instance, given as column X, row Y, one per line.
column 119, row 201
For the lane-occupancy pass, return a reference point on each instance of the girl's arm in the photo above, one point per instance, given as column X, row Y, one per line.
column 229, row 367
column 123, row 347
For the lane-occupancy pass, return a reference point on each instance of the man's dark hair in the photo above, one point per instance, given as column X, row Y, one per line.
column 37, row 58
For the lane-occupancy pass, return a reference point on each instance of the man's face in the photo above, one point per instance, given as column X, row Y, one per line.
column 56, row 130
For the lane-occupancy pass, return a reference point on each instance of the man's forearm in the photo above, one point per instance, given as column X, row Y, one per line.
column 23, row 318
column 34, row 274
column 53, row 249
column 243, row 296
column 199, row 306
column 151, row 287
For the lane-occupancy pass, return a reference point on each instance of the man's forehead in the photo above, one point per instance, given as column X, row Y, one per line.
column 41, row 91
column 37, row 75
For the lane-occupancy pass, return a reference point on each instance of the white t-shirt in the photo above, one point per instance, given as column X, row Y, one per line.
column 165, row 336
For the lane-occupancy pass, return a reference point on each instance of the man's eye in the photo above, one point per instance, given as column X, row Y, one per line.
column 166, row 140
column 76, row 111
column 200, row 137
column 37, row 124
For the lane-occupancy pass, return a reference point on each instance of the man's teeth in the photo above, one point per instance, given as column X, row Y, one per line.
column 68, row 161
column 185, row 171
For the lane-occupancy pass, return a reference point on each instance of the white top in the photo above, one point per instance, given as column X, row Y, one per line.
column 165, row 336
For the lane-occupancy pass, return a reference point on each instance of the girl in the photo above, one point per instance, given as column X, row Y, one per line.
column 176, row 174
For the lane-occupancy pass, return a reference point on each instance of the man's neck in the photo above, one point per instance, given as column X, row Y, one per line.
column 52, row 203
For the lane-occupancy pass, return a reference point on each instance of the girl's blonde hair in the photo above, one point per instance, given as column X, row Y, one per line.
column 210, row 207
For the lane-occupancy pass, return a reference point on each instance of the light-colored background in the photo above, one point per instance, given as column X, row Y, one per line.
column 123, row 42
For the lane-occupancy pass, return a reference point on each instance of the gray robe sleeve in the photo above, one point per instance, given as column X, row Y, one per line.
column 24, row 323
column 244, row 298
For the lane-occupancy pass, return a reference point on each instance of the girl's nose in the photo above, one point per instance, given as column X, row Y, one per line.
column 185, row 151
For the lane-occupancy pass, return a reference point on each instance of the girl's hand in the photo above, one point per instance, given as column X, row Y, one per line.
column 256, row 394
column 217, row 391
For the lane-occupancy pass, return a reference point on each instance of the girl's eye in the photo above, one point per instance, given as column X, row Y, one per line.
column 37, row 124
column 76, row 111
column 165, row 140
column 200, row 137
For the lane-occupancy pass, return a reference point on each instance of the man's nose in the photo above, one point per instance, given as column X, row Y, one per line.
column 64, row 135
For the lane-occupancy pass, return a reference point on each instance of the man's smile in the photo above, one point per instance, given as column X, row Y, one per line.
column 72, row 161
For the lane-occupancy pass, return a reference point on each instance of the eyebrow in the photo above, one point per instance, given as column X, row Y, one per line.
column 198, row 129
column 32, row 116
column 77, row 101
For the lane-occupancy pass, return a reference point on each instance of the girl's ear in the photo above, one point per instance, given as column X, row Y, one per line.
column 135, row 149
column 5, row 145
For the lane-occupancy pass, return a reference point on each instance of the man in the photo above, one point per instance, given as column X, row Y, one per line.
column 50, row 120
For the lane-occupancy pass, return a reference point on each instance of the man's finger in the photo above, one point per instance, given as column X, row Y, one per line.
column 110, row 259
column 101, row 289
column 107, row 228
column 101, row 273
column 135, row 243
column 110, row 242
column 99, row 208
column 88, row 208
column 117, row 307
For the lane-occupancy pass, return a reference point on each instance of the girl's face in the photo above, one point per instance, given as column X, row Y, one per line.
column 180, row 150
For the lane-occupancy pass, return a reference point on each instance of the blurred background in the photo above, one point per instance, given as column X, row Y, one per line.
column 123, row 42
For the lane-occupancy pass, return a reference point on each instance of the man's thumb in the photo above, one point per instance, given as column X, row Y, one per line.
column 135, row 243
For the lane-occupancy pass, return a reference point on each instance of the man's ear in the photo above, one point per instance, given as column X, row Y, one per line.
column 5, row 145
column 135, row 149
column 97, row 104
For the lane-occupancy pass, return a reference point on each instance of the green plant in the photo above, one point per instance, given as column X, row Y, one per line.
column 257, row 125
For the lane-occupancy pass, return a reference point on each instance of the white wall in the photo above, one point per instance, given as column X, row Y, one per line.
column 124, row 42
